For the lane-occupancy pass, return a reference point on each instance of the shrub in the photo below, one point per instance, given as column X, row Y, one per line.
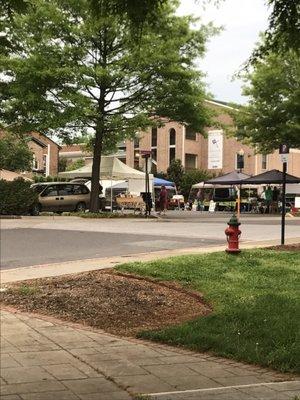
column 16, row 197
column 75, row 164
column 41, row 178
column 191, row 178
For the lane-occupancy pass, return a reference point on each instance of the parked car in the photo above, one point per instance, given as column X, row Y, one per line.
column 61, row 196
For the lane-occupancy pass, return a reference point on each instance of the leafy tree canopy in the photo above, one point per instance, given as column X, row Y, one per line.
column 272, row 116
column 175, row 172
column 15, row 154
column 283, row 32
column 70, row 70
column 192, row 177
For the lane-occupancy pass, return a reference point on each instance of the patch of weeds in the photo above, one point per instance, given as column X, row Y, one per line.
column 26, row 290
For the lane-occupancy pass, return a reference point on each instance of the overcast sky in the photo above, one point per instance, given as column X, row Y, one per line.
column 242, row 21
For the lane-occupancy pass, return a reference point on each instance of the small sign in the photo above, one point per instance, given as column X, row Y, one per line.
column 284, row 158
column 284, row 149
column 212, row 206
column 145, row 152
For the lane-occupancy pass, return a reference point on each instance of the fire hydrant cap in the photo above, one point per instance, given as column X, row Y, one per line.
column 234, row 221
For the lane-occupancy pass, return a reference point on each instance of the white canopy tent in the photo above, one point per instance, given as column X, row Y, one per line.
column 112, row 169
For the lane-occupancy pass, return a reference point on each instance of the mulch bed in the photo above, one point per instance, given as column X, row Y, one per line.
column 117, row 303
column 286, row 247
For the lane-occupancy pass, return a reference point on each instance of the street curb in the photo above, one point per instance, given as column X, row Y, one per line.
column 77, row 266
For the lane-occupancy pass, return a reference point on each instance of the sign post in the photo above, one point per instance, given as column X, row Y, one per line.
column 283, row 151
column 146, row 154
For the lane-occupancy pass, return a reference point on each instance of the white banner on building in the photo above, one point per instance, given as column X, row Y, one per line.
column 215, row 149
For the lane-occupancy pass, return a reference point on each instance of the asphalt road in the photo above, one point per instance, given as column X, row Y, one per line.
column 26, row 247
column 43, row 240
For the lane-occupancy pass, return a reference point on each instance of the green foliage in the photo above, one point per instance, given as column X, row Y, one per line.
column 62, row 164
column 175, row 172
column 161, row 175
column 273, row 114
column 192, row 177
column 75, row 164
column 15, row 154
column 27, row 290
column 16, row 197
column 41, row 178
column 283, row 32
column 255, row 304
column 106, row 214
column 82, row 71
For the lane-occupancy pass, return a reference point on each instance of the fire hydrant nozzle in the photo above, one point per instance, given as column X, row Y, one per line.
column 233, row 234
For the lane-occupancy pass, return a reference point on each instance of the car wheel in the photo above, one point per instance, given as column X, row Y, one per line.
column 81, row 207
column 36, row 209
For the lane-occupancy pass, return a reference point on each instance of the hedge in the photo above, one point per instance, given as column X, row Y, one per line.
column 16, row 197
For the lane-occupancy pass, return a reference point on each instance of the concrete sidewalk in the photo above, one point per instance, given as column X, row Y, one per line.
column 45, row 359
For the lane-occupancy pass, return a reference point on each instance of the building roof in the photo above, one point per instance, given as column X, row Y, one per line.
column 35, row 136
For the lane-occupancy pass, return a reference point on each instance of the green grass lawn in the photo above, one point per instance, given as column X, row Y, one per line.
column 256, row 305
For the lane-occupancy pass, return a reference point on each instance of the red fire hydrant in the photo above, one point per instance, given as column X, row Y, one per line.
column 233, row 234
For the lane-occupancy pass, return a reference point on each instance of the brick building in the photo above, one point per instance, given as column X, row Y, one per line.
column 45, row 153
column 214, row 151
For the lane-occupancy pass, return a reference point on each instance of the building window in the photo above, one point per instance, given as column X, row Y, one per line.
column 35, row 164
column 190, row 161
column 172, row 137
column 190, row 134
column 240, row 161
column 154, row 137
column 154, row 154
column 171, row 154
column 136, row 142
column 136, row 162
column 44, row 162
column 264, row 159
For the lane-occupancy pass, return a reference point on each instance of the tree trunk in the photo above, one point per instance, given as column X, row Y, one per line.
column 94, row 202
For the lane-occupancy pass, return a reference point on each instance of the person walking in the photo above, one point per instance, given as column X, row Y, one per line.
column 163, row 200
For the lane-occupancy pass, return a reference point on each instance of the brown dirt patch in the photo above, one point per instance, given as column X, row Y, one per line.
column 117, row 303
column 286, row 247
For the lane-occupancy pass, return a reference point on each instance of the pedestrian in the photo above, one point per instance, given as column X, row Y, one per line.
column 268, row 198
column 200, row 199
column 275, row 198
column 163, row 200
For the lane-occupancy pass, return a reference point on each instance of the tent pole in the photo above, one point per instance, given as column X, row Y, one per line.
column 111, row 197
column 239, row 203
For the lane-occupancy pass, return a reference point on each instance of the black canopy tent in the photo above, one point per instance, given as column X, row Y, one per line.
column 274, row 176
column 232, row 178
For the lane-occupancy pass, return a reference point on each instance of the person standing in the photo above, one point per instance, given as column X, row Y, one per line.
column 163, row 200
column 200, row 200
column 269, row 198
column 275, row 198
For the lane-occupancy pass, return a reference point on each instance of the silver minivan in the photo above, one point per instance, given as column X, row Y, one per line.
column 61, row 196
